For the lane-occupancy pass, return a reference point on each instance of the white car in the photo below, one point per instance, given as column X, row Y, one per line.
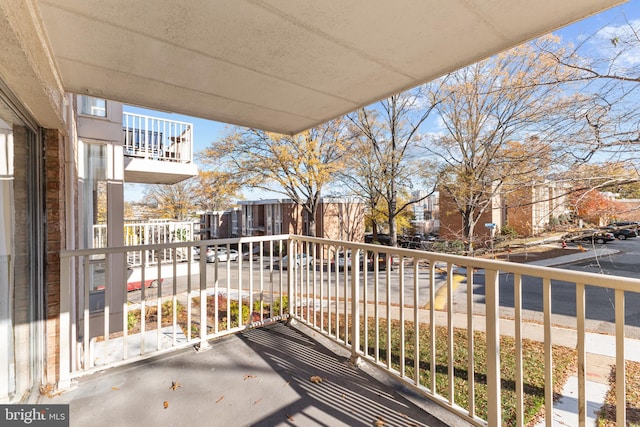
column 231, row 255
column 214, row 252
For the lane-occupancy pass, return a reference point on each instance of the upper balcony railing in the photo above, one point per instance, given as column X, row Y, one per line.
column 157, row 139
column 149, row 233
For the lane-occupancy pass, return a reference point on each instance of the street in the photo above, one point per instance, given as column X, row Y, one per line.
column 600, row 307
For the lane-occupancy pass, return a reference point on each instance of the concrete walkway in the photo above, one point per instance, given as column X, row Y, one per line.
column 589, row 253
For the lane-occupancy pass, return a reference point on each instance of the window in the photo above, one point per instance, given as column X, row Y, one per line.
column 91, row 106
column 93, row 204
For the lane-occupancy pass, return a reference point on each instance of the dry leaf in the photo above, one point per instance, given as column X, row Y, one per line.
column 379, row 422
column 174, row 385
column 289, row 417
column 166, row 404
column 246, row 377
column 115, row 388
column 286, row 384
column 315, row 379
column 220, row 400
column 257, row 401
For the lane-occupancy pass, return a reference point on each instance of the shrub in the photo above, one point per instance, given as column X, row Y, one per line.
column 508, row 231
column 276, row 305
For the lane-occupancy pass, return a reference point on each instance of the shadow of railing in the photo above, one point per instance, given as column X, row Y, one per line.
column 328, row 384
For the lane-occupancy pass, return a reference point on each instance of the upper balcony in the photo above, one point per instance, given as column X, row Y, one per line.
column 157, row 151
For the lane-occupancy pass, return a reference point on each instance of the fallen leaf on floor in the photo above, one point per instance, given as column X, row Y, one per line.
column 344, row 396
column 315, row 379
column 286, row 384
column 220, row 400
column 379, row 422
column 165, row 404
column 246, row 377
column 115, row 388
column 175, row 385
column 289, row 417
column 257, row 401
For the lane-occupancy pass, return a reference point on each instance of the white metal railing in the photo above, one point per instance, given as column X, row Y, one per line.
column 150, row 233
column 158, row 308
column 157, row 139
column 358, row 306
column 378, row 312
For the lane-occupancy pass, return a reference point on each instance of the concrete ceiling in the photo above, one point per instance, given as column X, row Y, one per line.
column 282, row 65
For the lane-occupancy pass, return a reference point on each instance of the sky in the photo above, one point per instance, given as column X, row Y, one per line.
column 207, row 131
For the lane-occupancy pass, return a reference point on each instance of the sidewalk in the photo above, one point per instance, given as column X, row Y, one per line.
column 574, row 257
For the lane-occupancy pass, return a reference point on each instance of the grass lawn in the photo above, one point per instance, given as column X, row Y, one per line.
column 533, row 367
column 607, row 415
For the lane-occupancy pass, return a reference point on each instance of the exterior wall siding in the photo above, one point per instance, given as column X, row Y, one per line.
column 55, row 213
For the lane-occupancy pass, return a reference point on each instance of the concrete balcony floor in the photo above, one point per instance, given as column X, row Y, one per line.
column 261, row 377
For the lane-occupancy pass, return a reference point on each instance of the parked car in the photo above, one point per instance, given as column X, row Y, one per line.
column 380, row 258
column 215, row 252
column 621, row 233
column 595, row 236
column 303, row 260
column 345, row 260
column 626, row 224
column 255, row 253
column 231, row 255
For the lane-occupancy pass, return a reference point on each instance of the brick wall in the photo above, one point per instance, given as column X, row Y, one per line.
column 520, row 212
column 55, row 241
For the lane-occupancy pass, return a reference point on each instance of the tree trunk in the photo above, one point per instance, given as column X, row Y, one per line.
column 311, row 207
column 468, row 229
column 393, row 232
column 374, row 226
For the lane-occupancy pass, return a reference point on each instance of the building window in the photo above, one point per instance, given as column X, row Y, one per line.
column 269, row 221
column 277, row 218
column 91, row 106
column 234, row 223
column 93, row 203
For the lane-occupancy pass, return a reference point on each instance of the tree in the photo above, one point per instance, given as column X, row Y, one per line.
column 215, row 190
column 298, row 166
column 173, row 201
column 606, row 67
column 390, row 135
column 593, row 206
column 361, row 177
column 484, row 107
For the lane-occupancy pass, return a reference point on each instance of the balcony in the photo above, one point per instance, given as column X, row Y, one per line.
column 380, row 314
column 157, row 151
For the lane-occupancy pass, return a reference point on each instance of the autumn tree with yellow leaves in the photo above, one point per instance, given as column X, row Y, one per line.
column 173, row 201
column 215, row 190
column 298, row 166
column 482, row 108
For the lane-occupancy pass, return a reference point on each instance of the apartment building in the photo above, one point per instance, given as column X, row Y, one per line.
column 340, row 219
column 528, row 209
